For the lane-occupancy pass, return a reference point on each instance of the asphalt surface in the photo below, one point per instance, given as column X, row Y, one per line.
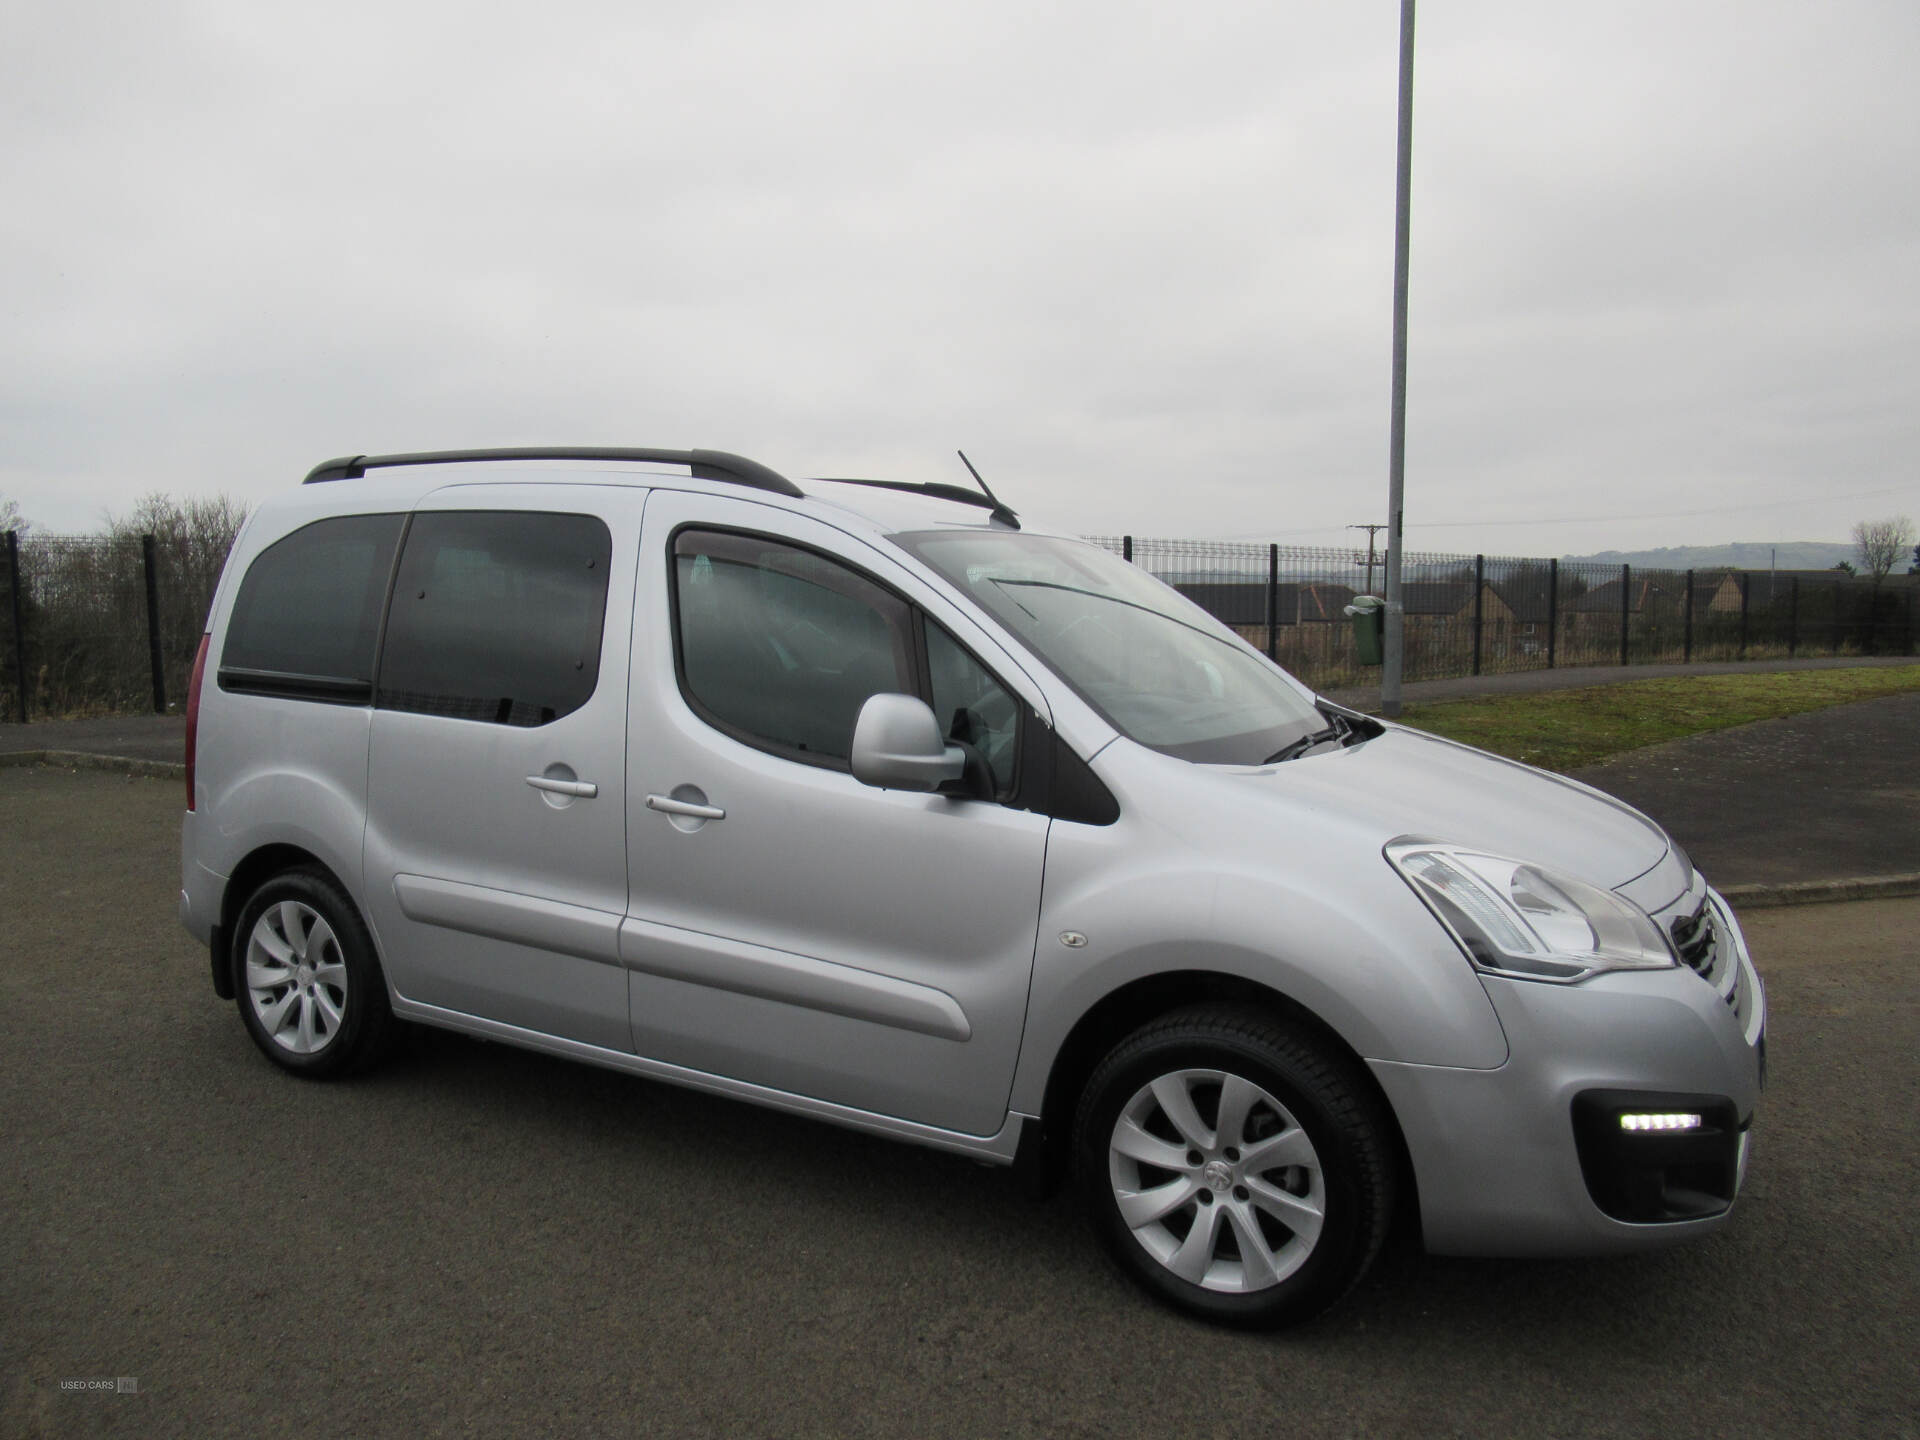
column 479, row 1241
column 1824, row 795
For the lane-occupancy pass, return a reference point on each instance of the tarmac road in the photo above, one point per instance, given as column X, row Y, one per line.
column 480, row 1241
column 1824, row 795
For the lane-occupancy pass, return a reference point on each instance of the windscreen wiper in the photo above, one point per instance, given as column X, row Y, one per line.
column 1340, row 729
column 1302, row 745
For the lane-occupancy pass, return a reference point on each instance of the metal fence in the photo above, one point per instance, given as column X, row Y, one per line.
column 94, row 624
column 1490, row 614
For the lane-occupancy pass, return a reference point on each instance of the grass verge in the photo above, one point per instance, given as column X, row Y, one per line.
column 1566, row 729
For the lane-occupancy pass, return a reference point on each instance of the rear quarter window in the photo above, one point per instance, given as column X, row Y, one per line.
column 308, row 610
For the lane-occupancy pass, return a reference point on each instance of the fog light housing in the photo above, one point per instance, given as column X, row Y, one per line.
column 1653, row 1159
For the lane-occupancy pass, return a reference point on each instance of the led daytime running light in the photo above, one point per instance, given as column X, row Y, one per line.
column 1658, row 1122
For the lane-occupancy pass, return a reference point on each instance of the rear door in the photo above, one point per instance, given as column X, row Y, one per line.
column 790, row 926
column 496, row 827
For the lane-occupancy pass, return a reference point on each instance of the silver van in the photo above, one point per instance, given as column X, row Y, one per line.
column 858, row 800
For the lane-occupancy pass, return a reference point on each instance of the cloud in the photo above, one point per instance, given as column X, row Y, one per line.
column 1136, row 259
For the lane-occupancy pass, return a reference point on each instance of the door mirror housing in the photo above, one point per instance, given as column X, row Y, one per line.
column 897, row 746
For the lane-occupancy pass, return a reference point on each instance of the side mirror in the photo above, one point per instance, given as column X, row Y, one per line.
column 897, row 746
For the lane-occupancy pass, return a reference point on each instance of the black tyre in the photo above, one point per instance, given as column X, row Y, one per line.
column 1235, row 1165
column 306, row 979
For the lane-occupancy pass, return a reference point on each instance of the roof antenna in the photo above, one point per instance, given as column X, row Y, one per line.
column 999, row 512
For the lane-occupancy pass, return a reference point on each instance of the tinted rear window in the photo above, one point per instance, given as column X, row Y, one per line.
column 310, row 603
column 497, row 616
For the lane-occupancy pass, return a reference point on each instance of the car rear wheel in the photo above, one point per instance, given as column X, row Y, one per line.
column 1235, row 1165
column 305, row 978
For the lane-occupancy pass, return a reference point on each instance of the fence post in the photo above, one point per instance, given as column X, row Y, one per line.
column 1273, row 603
column 1746, row 589
column 19, row 627
column 1686, row 626
column 1553, row 609
column 1793, row 616
column 153, row 625
column 1626, row 601
column 1479, row 592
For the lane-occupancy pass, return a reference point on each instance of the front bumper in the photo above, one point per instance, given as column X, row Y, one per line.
column 1495, row 1153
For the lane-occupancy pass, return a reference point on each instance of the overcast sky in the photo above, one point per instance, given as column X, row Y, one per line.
column 1135, row 259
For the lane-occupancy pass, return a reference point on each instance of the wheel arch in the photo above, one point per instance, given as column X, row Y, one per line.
column 254, row 870
column 1044, row 1160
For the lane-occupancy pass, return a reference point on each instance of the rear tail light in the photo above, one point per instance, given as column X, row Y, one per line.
column 193, row 711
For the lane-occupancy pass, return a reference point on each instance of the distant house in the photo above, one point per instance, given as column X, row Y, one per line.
column 1724, row 598
column 1513, row 611
column 1232, row 602
column 1517, row 600
column 1766, row 587
column 1437, row 597
column 1642, row 591
column 1244, row 602
column 1321, row 601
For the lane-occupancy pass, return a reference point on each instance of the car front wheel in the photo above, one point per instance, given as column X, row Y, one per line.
column 1235, row 1165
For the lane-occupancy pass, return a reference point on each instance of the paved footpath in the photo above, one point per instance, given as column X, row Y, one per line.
column 160, row 738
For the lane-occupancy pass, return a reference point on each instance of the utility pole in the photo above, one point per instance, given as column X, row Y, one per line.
column 1369, row 562
column 1393, row 651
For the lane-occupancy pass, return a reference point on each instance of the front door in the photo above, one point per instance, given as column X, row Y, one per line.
column 496, row 822
column 788, row 925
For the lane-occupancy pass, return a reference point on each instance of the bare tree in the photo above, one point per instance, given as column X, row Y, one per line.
column 11, row 518
column 1881, row 543
column 191, row 540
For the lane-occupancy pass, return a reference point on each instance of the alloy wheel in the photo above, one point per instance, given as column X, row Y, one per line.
column 1217, row 1180
column 296, row 977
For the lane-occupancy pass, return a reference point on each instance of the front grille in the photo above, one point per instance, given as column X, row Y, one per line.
column 1693, row 937
column 1706, row 944
column 1698, row 941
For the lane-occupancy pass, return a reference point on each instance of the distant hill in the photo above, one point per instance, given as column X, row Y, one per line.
column 1780, row 555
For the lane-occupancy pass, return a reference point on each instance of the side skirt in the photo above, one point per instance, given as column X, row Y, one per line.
column 998, row 1149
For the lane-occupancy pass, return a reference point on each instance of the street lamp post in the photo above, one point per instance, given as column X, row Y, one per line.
column 1395, row 636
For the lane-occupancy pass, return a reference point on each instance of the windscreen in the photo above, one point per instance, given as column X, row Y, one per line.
column 1159, row 669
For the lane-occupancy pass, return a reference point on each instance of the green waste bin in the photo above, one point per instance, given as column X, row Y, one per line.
column 1369, row 614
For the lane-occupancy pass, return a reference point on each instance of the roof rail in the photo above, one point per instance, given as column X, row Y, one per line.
column 984, row 497
column 705, row 464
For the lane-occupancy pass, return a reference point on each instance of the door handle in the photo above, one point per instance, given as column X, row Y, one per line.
column 579, row 789
column 667, row 805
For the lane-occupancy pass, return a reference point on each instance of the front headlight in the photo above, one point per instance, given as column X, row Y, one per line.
column 1524, row 920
